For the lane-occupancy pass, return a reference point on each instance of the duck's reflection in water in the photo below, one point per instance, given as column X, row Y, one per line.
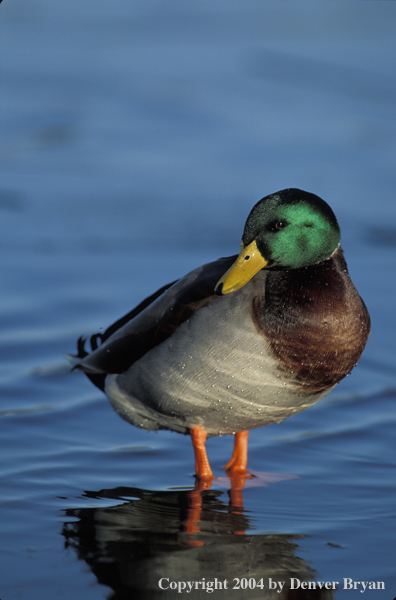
column 173, row 544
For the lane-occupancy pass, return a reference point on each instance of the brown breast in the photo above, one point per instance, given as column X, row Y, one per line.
column 315, row 322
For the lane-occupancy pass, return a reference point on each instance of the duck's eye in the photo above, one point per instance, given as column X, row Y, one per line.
column 278, row 225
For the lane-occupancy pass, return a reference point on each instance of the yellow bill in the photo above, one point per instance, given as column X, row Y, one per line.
column 248, row 263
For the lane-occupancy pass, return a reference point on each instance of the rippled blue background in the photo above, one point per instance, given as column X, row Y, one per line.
column 134, row 139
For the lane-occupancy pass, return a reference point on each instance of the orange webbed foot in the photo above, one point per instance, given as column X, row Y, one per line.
column 238, row 462
column 202, row 466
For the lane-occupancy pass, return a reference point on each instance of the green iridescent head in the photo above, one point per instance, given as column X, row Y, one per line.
column 291, row 229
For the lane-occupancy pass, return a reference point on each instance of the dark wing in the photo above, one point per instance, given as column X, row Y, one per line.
column 150, row 323
column 98, row 379
column 118, row 324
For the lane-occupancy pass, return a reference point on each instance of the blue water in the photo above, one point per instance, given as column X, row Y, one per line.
column 134, row 139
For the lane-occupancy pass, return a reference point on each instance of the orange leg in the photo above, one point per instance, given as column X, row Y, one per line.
column 238, row 461
column 202, row 466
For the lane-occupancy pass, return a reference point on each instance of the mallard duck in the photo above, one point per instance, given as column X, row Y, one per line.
column 241, row 342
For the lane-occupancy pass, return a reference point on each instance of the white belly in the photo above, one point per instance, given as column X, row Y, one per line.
column 207, row 373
